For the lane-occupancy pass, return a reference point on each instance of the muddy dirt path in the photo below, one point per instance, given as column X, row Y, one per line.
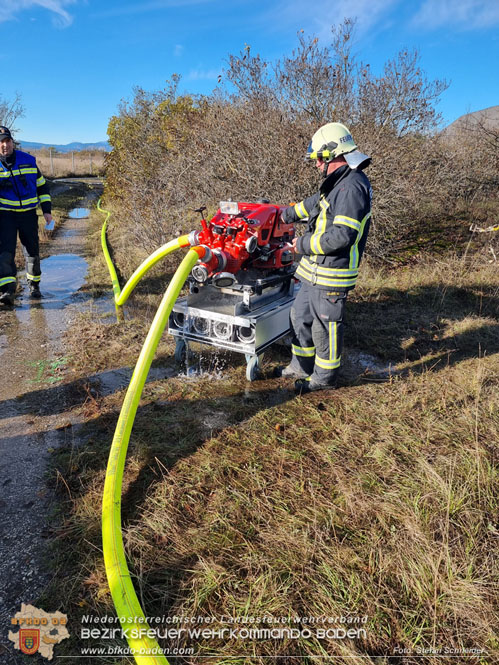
column 33, row 416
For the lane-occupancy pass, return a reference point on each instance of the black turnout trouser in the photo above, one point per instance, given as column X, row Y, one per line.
column 317, row 317
column 26, row 224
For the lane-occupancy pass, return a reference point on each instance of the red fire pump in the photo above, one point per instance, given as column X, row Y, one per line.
column 243, row 237
column 241, row 292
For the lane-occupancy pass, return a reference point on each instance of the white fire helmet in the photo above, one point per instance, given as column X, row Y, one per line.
column 333, row 140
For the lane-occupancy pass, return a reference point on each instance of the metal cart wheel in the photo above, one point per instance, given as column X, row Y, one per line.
column 252, row 367
column 181, row 350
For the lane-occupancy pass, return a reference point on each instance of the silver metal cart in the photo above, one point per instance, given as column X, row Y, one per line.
column 243, row 318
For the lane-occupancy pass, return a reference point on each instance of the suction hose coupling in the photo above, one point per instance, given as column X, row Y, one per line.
column 193, row 238
column 201, row 271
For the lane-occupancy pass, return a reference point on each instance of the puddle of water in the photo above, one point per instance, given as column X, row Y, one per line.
column 63, row 273
column 62, row 276
column 79, row 213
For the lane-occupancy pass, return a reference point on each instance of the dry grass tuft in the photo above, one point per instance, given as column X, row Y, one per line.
column 376, row 502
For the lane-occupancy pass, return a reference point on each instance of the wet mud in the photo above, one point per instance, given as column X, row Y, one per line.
column 34, row 418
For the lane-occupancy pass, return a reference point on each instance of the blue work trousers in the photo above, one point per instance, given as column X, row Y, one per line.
column 26, row 225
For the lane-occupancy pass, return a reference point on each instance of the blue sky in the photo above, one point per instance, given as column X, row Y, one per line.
column 72, row 61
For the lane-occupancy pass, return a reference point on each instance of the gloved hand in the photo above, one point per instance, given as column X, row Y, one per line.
column 49, row 221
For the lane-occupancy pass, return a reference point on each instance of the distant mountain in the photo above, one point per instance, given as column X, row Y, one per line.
column 68, row 147
column 488, row 117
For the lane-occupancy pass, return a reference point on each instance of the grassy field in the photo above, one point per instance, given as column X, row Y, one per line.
column 61, row 164
column 372, row 508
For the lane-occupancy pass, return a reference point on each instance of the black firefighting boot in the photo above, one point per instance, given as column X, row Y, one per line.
column 291, row 371
column 297, row 369
column 33, row 274
column 8, row 295
column 34, row 289
column 303, row 386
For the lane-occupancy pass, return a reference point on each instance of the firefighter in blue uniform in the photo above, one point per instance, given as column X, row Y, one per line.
column 22, row 188
column 338, row 223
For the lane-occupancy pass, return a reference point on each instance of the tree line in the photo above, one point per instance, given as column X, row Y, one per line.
column 172, row 153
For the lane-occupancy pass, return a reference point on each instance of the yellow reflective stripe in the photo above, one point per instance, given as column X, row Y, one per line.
column 354, row 252
column 9, row 202
column 340, row 283
column 7, row 280
column 18, row 204
column 300, row 271
column 354, row 255
column 304, row 270
column 327, row 364
column 44, row 197
column 7, row 174
column 17, row 209
column 324, row 281
column 33, row 278
column 301, row 210
column 333, row 340
column 304, row 351
column 40, row 181
column 347, row 221
column 320, row 227
column 328, row 272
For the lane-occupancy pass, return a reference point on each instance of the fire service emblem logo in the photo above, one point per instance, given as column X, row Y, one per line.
column 29, row 640
column 39, row 631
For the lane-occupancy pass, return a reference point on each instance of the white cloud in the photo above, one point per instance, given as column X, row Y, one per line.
column 367, row 13
column 318, row 18
column 179, row 49
column 10, row 8
column 203, row 74
column 465, row 14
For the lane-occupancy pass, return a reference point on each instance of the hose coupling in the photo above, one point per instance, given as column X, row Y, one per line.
column 193, row 238
column 207, row 253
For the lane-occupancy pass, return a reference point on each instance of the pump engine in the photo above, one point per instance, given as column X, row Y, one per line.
column 241, row 238
column 241, row 292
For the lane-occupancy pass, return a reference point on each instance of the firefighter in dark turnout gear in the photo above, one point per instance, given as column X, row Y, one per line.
column 338, row 223
column 22, row 188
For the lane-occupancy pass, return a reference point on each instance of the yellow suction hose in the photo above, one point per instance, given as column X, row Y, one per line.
column 140, row 637
column 170, row 247
column 109, row 262
column 121, row 296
